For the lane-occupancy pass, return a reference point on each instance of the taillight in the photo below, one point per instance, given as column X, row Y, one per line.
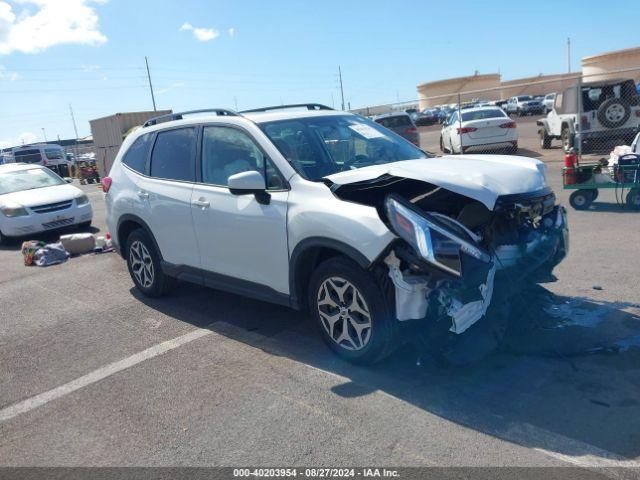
column 106, row 184
column 466, row 130
column 411, row 130
column 508, row 125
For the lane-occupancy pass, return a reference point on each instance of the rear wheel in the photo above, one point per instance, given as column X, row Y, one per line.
column 633, row 199
column 145, row 269
column 351, row 311
column 442, row 145
column 545, row 139
column 581, row 199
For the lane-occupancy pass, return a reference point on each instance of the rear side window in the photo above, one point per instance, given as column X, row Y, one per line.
column 28, row 156
column 136, row 156
column 174, row 155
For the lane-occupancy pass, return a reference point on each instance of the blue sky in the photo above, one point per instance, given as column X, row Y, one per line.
column 222, row 52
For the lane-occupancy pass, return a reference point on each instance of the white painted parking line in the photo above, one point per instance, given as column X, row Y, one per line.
column 99, row 374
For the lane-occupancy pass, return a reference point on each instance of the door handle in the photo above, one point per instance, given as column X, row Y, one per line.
column 143, row 194
column 201, row 203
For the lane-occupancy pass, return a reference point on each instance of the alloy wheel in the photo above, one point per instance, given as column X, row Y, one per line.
column 344, row 314
column 141, row 264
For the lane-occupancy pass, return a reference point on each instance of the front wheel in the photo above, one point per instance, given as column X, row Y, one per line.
column 144, row 265
column 351, row 311
column 545, row 139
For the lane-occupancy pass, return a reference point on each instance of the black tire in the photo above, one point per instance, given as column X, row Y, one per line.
column 614, row 113
column 374, row 342
column 633, row 199
column 567, row 139
column 594, row 194
column 442, row 145
column 159, row 284
column 581, row 199
column 3, row 239
column 545, row 139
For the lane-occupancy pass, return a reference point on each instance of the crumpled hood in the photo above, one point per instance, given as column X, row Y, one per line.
column 41, row 196
column 481, row 177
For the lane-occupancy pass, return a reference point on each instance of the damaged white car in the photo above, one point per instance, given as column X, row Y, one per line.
column 327, row 211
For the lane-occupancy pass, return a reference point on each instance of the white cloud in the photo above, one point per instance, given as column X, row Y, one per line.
column 26, row 137
column 232, row 32
column 5, row 144
column 54, row 22
column 8, row 75
column 201, row 34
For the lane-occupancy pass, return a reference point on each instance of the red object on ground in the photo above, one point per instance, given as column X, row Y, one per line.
column 570, row 160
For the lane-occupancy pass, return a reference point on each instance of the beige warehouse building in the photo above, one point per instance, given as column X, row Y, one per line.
column 446, row 91
column 604, row 65
column 596, row 67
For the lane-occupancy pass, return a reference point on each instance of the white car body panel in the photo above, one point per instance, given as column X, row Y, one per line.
column 316, row 212
column 236, row 233
column 39, row 222
column 481, row 177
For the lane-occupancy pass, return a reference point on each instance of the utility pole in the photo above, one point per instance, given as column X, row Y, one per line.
column 235, row 102
column 75, row 130
column 153, row 98
column 568, row 55
column 341, row 87
column 44, row 134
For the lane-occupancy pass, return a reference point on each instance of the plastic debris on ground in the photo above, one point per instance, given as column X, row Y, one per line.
column 78, row 243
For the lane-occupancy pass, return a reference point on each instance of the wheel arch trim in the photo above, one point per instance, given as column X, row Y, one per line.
column 135, row 219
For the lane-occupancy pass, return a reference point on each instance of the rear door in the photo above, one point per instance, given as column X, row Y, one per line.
column 165, row 194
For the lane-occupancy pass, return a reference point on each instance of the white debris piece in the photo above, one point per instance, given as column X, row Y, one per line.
column 411, row 291
column 466, row 315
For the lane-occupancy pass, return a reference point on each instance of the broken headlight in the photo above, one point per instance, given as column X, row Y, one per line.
column 436, row 240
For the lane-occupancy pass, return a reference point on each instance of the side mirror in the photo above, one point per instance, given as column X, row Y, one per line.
column 246, row 182
column 68, row 179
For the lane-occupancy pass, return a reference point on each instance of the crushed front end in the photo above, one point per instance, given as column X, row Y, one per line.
column 450, row 274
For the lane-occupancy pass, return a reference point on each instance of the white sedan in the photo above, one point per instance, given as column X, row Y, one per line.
column 34, row 199
column 482, row 128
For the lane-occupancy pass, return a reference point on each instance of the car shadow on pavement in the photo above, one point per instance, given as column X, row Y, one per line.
column 566, row 383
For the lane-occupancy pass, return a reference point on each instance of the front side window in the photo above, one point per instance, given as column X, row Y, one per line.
column 227, row 151
column 28, row 180
column 174, row 155
column 324, row 145
column 53, row 154
column 136, row 156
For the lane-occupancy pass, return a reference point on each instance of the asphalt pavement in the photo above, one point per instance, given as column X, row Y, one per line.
column 93, row 374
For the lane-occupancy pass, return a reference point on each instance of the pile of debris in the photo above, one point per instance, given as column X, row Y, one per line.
column 44, row 254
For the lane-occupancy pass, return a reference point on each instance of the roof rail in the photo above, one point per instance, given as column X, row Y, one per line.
column 180, row 115
column 308, row 106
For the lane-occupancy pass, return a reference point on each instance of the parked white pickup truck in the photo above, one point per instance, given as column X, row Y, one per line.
column 610, row 116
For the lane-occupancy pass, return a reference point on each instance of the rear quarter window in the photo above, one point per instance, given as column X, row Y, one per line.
column 136, row 156
column 174, row 155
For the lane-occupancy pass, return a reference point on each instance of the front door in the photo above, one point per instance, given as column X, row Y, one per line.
column 240, row 236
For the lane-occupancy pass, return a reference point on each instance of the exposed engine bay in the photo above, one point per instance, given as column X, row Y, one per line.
column 455, row 256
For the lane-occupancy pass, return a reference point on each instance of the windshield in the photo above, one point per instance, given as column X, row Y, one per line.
column 482, row 114
column 28, row 180
column 525, row 97
column 53, row 153
column 321, row 146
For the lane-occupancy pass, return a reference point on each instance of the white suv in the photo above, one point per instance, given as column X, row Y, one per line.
column 327, row 211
